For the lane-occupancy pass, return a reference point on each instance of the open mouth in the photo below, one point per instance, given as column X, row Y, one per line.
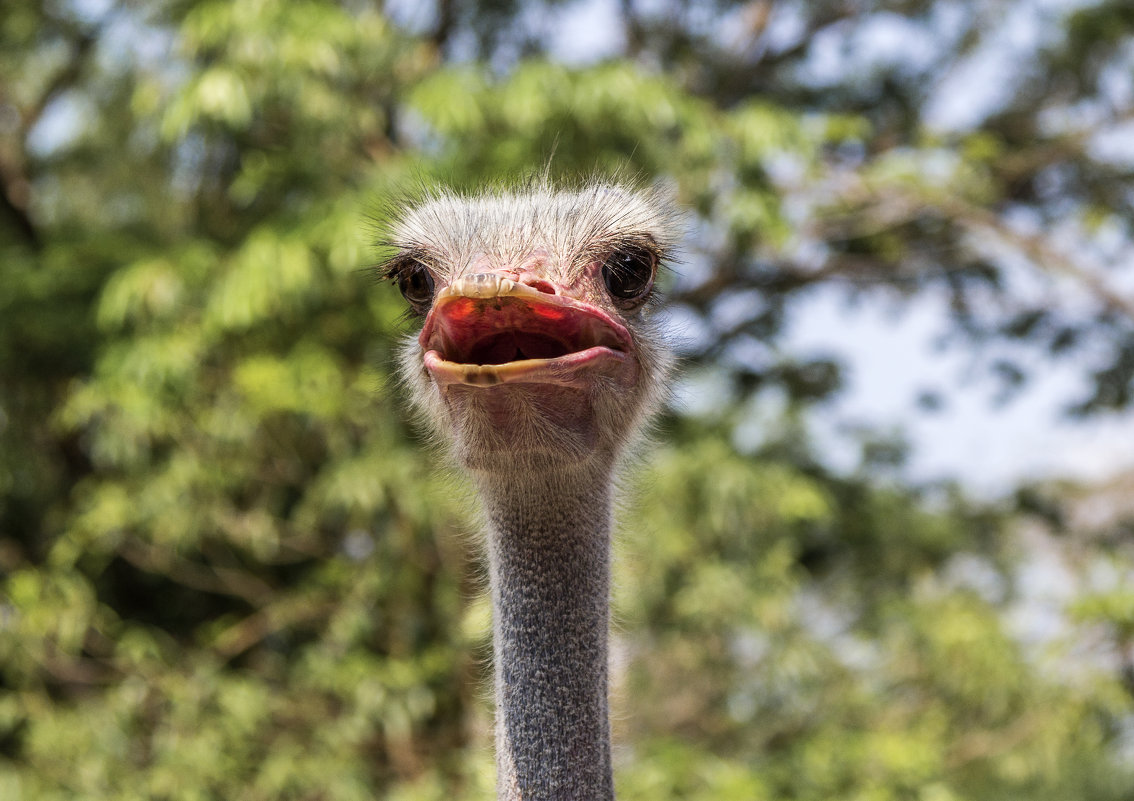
column 497, row 331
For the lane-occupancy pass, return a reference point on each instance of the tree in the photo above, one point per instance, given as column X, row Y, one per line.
column 232, row 570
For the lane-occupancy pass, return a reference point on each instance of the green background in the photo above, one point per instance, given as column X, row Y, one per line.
column 232, row 570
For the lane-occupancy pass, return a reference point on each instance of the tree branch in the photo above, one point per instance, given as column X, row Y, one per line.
column 13, row 205
column 901, row 205
column 15, row 181
column 217, row 580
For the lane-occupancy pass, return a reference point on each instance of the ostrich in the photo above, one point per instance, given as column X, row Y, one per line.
column 537, row 364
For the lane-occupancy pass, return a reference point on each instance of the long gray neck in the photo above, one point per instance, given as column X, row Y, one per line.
column 549, row 556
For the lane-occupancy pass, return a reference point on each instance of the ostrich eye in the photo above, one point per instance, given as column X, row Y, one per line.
column 416, row 285
column 629, row 273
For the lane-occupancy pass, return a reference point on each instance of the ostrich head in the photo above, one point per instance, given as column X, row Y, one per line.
column 536, row 350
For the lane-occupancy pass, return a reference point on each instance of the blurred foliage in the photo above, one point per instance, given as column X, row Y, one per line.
column 232, row 571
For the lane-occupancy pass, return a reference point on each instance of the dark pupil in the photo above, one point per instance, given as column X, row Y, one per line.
column 416, row 285
column 627, row 274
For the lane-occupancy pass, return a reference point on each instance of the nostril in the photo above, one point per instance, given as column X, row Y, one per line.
column 537, row 283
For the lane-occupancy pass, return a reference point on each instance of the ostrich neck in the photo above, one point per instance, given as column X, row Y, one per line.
column 549, row 556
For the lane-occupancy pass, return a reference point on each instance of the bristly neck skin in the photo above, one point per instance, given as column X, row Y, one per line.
column 549, row 557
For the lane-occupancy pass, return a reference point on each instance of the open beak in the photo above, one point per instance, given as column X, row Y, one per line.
column 486, row 329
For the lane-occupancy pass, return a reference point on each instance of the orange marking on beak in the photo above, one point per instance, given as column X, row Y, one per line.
column 460, row 310
column 551, row 313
